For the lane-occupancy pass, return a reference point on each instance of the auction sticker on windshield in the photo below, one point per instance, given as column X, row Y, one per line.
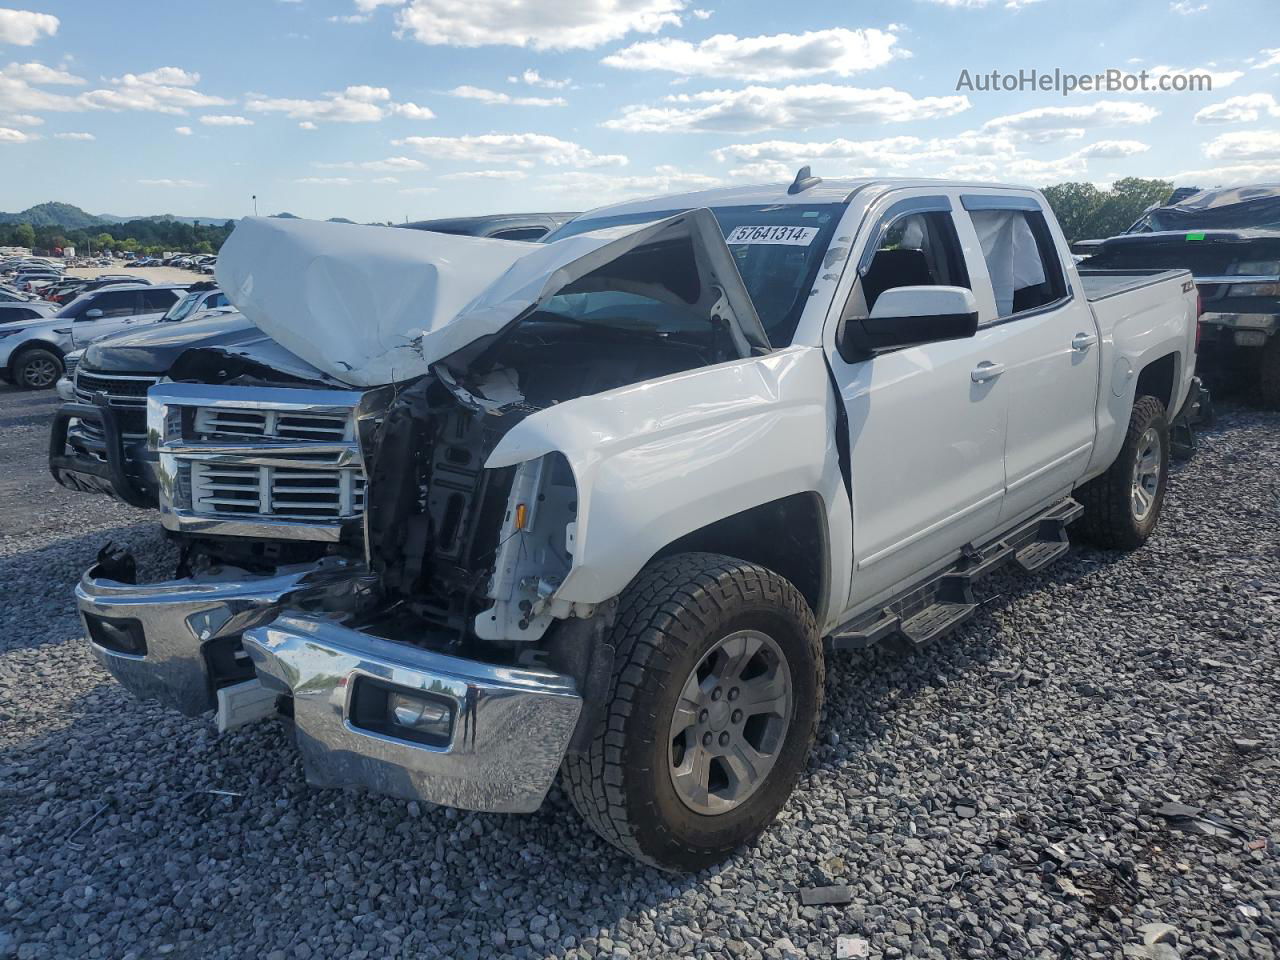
column 794, row 236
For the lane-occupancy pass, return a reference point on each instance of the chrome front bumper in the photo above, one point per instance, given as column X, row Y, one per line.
column 510, row 726
column 155, row 638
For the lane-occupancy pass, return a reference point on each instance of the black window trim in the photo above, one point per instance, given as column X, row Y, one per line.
column 939, row 203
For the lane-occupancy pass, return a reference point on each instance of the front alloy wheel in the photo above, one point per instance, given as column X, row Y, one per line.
column 730, row 722
column 713, row 706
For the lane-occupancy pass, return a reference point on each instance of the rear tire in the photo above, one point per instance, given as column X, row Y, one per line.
column 1269, row 373
column 683, row 624
column 1122, row 507
column 36, row 369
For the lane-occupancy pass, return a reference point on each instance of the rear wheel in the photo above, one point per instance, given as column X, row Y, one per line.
column 1122, row 507
column 37, row 369
column 711, row 713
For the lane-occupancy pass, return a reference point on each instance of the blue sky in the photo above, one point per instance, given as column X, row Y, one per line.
column 394, row 109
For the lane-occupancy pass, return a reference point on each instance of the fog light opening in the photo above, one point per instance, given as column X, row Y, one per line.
column 401, row 713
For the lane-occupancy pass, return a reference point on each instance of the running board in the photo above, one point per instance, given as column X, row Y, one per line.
column 942, row 602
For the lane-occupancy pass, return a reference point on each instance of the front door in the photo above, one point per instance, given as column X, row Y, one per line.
column 927, row 423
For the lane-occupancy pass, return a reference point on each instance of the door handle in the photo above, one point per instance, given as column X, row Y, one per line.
column 985, row 371
column 1083, row 341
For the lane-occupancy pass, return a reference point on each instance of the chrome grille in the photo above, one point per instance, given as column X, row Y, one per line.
column 222, row 490
column 121, row 391
column 258, row 461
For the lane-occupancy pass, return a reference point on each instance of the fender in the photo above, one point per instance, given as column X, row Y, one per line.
column 657, row 460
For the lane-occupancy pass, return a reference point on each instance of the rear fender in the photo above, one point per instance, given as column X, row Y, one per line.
column 658, row 460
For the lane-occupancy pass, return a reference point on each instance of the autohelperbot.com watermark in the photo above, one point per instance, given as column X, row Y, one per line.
column 1066, row 83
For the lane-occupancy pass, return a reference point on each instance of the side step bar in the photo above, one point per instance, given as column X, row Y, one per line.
column 939, row 604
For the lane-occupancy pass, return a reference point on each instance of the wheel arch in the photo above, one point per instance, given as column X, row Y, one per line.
column 788, row 536
column 1159, row 378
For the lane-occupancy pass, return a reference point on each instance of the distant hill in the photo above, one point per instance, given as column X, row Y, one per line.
column 70, row 217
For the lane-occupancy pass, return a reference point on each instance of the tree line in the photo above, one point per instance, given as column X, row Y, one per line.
column 143, row 237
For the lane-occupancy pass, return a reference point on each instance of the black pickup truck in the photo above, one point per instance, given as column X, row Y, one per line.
column 1230, row 241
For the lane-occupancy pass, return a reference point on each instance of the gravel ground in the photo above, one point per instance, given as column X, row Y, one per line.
column 993, row 796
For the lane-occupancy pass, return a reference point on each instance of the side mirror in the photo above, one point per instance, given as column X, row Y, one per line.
column 908, row 317
column 94, row 314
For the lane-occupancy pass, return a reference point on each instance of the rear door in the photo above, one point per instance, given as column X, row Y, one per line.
column 1051, row 365
column 115, row 307
column 926, row 439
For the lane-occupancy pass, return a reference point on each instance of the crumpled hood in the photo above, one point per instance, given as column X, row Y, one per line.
column 372, row 306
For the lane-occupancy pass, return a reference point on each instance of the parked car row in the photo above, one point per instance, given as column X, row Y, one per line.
column 591, row 507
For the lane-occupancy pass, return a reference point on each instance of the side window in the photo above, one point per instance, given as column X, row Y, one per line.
column 1021, row 259
column 520, row 233
column 120, row 303
column 217, row 300
column 157, row 301
column 914, row 250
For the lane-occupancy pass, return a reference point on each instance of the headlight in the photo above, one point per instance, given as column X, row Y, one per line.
column 1254, row 290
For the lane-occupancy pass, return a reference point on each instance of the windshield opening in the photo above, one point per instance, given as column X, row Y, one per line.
column 778, row 249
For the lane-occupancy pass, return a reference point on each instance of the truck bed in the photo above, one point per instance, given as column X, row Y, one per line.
column 1100, row 284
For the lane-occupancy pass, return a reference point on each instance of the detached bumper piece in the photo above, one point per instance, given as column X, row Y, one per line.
column 100, row 463
column 412, row 723
column 178, row 642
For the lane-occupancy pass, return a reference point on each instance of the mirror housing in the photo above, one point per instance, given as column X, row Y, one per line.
column 93, row 314
column 908, row 317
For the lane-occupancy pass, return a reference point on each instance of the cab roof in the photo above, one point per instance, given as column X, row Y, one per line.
column 832, row 190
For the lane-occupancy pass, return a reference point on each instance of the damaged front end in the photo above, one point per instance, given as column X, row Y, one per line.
column 428, row 653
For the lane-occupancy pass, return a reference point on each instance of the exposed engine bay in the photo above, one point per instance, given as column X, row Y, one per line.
column 475, row 554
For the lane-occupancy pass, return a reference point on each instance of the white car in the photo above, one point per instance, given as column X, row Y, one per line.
column 31, row 353
column 618, row 487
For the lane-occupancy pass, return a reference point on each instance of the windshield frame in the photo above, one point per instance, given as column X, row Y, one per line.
column 781, row 331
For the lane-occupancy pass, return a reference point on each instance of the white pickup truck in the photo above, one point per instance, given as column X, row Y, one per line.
column 603, row 504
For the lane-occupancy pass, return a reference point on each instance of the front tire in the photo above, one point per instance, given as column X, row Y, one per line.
column 1122, row 507
column 711, row 712
column 37, row 369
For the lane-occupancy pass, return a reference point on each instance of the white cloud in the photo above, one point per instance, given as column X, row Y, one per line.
column 351, row 18
column 1245, row 109
column 1269, row 58
column 522, row 149
column 308, row 125
column 169, row 182
column 1228, row 175
column 74, row 136
column 754, row 109
column 23, row 27
column 326, row 181
column 1187, row 7
column 1217, row 78
column 486, row 175
column 586, row 189
column 39, row 73
column 1047, row 124
column 25, row 120
column 702, row 14
column 390, row 164
column 164, row 90
column 534, row 79
column 978, row 4
column 763, row 59
column 1245, row 145
column 185, row 131
column 969, row 155
column 384, row 180
column 498, row 97
column 9, row 135
column 355, row 104
column 539, row 26
column 225, row 120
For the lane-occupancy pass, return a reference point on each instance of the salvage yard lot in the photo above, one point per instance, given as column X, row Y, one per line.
column 994, row 795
